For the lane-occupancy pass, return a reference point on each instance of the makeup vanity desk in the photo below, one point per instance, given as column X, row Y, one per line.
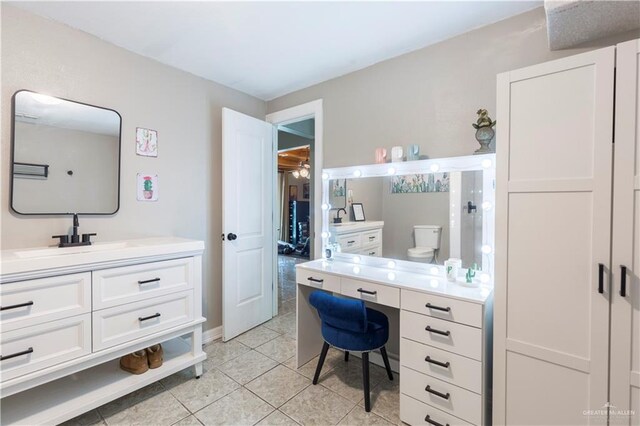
column 445, row 335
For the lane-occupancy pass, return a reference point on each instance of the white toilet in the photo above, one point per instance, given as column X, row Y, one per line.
column 427, row 242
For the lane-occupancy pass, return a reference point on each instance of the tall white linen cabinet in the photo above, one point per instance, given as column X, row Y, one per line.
column 567, row 294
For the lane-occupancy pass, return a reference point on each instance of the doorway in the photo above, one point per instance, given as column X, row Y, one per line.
column 294, row 204
column 297, row 197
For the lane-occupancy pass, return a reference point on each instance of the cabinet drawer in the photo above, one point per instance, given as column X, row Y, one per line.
column 128, row 322
column 457, row 338
column 442, row 395
column 414, row 412
column 458, row 370
column 371, row 237
column 112, row 287
column 32, row 302
column 375, row 251
column 371, row 292
column 43, row 345
column 443, row 307
column 349, row 241
column 318, row 280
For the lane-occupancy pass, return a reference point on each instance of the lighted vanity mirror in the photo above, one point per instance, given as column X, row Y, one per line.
column 421, row 211
column 65, row 156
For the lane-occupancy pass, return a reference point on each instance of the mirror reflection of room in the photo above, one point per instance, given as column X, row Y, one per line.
column 425, row 218
column 66, row 156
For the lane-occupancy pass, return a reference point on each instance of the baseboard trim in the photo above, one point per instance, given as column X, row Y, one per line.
column 212, row 334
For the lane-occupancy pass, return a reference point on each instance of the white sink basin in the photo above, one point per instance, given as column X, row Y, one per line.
column 56, row 251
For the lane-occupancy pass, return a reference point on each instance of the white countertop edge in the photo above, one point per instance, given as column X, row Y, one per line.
column 402, row 280
column 12, row 265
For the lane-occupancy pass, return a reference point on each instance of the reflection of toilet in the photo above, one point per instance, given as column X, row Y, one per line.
column 427, row 242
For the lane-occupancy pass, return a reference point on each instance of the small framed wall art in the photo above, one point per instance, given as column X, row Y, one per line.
column 293, row 192
column 146, row 142
column 147, row 187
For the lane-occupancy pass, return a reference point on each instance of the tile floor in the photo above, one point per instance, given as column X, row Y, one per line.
column 252, row 379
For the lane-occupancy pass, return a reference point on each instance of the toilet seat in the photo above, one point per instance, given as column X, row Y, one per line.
column 420, row 253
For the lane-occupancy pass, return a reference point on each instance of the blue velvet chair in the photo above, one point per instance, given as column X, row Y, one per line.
column 347, row 324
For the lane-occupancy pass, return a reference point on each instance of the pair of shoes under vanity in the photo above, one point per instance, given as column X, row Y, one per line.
column 140, row 362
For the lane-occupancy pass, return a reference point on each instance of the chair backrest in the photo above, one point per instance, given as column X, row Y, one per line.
column 346, row 314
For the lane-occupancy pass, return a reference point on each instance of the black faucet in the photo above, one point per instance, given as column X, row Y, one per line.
column 75, row 238
column 338, row 219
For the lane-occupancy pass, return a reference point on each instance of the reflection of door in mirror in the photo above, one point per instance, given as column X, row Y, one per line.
column 79, row 144
column 338, row 193
column 466, row 217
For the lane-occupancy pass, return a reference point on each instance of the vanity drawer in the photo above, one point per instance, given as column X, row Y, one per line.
column 443, row 307
column 116, row 286
column 450, row 336
column 318, row 280
column 349, row 241
column 371, row 292
column 452, row 399
column 414, row 412
column 458, row 370
column 372, row 251
column 32, row 302
column 41, row 346
column 121, row 324
column 371, row 237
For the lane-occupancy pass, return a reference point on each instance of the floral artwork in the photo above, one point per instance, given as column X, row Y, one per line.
column 147, row 187
column 146, row 142
column 431, row 182
column 338, row 187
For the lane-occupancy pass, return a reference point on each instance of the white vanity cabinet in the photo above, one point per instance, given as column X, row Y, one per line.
column 68, row 316
column 445, row 336
column 359, row 237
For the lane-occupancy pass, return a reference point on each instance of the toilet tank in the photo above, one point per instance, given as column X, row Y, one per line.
column 427, row 236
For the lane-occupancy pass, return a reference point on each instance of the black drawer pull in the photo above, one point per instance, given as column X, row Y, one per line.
column 600, row 278
column 371, row 253
column 28, row 351
column 372, row 238
column 362, row 290
column 153, row 280
column 623, row 281
column 440, row 363
column 433, row 330
column 438, row 308
column 19, row 305
column 315, row 280
column 436, row 393
column 351, row 242
column 156, row 315
column 433, row 422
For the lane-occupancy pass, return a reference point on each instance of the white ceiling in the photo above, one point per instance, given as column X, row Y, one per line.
column 268, row 49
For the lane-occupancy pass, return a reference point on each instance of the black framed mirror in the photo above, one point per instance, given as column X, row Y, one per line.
column 65, row 156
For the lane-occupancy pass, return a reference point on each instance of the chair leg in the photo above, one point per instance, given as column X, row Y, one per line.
column 323, row 355
column 346, row 356
column 385, row 358
column 365, row 379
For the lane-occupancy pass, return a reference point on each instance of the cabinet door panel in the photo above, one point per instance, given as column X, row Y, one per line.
column 553, row 222
column 625, row 310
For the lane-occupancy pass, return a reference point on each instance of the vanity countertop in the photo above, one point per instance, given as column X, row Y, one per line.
column 19, row 261
column 345, row 227
column 425, row 283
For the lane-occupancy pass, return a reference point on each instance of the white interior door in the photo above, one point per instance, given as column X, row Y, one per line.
column 553, row 230
column 247, row 222
column 625, row 305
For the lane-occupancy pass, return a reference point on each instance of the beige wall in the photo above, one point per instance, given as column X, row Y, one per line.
column 428, row 97
column 48, row 57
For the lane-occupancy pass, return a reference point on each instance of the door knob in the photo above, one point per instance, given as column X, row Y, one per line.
column 231, row 236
